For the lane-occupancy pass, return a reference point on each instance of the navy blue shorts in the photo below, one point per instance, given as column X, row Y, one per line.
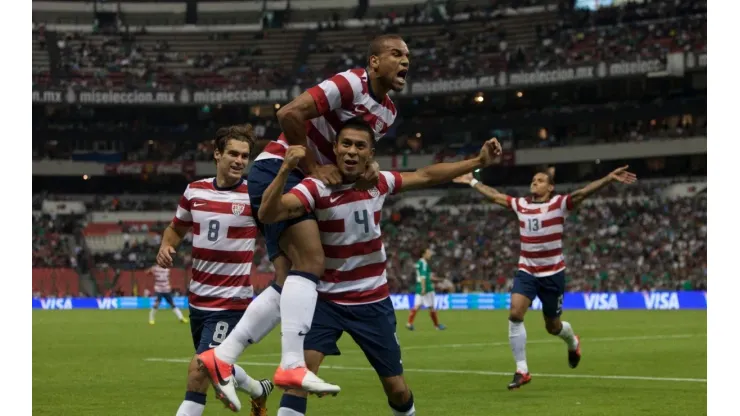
column 210, row 328
column 166, row 296
column 372, row 326
column 550, row 290
column 259, row 178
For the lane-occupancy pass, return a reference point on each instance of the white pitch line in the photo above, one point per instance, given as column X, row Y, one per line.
column 536, row 341
column 466, row 372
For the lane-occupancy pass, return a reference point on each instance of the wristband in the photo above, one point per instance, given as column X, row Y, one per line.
column 474, row 182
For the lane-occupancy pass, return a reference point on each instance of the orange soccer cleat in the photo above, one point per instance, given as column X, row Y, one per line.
column 222, row 378
column 301, row 378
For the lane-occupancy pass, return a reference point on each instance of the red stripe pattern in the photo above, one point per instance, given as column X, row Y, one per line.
column 224, row 234
column 349, row 224
column 541, row 228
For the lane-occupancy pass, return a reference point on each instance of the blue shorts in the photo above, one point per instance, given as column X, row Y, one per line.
column 210, row 328
column 259, row 178
column 550, row 290
column 166, row 296
column 372, row 326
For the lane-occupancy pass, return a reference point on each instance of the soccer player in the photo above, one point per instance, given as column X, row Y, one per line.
column 353, row 291
column 541, row 263
column 312, row 120
column 224, row 231
column 424, row 290
column 163, row 290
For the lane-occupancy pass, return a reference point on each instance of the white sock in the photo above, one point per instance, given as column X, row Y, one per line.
column 152, row 312
column 177, row 312
column 284, row 411
column 518, row 342
column 568, row 336
column 246, row 383
column 188, row 408
column 262, row 315
column 410, row 412
column 297, row 305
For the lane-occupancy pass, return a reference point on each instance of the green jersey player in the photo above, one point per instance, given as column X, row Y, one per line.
column 424, row 290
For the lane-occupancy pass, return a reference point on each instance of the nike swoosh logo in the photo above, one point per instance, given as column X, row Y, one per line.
column 221, row 380
column 198, row 204
column 332, row 200
column 301, row 334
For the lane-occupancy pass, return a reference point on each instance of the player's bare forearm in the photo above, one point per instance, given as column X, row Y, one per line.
column 439, row 173
column 292, row 119
column 173, row 235
column 492, row 194
column 276, row 206
column 588, row 190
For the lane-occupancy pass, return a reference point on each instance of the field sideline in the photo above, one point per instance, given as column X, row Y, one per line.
column 635, row 363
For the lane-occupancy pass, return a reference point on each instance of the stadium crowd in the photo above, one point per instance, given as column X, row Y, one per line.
column 630, row 239
column 573, row 37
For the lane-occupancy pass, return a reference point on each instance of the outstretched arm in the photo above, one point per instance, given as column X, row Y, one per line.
column 445, row 172
column 492, row 194
column 277, row 206
column 618, row 175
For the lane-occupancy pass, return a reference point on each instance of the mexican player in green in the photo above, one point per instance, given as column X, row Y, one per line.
column 424, row 290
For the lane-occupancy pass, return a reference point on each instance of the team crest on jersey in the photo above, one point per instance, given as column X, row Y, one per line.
column 237, row 209
column 374, row 192
column 379, row 125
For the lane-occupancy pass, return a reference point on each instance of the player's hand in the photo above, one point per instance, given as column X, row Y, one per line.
column 489, row 152
column 464, row 179
column 164, row 257
column 328, row 174
column 293, row 156
column 623, row 176
column 369, row 179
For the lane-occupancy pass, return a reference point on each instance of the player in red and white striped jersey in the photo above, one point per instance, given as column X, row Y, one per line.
column 353, row 290
column 312, row 120
column 224, row 231
column 541, row 263
column 163, row 290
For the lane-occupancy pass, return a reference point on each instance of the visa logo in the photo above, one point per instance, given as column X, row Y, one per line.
column 661, row 300
column 56, row 303
column 601, row 301
column 107, row 303
column 441, row 302
column 400, row 302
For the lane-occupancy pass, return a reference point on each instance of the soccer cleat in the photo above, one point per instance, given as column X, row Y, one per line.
column 259, row 405
column 301, row 378
column 409, row 326
column 151, row 322
column 519, row 380
column 441, row 327
column 574, row 356
column 222, row 378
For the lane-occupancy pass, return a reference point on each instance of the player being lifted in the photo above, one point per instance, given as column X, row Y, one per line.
column 312, row 120
column 217, row 210
column 424, row 290
column 541, row 263
column 163, row 290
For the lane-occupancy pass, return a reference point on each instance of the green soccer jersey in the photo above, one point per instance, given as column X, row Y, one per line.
column 423, row 277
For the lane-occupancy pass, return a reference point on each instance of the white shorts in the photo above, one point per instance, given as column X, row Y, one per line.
column 426, row 299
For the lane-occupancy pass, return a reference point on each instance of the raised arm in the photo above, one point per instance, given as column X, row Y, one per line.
column 618, row 175
column 444, row 172
column 492, row 194
column 277, row 206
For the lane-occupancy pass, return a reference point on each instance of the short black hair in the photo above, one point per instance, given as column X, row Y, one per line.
column 423, row 250
column 549, row 172
column 376, row 45
column 358, row 123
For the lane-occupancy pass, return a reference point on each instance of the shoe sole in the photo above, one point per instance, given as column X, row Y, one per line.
column 220, row 395
column 519, row 386
column 318, row 394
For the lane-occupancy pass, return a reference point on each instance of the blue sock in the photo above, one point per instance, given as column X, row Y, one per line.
column 292, row 405
column 193, row 405
column 194, row 396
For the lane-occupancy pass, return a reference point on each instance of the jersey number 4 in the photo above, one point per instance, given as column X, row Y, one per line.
column 363, row 220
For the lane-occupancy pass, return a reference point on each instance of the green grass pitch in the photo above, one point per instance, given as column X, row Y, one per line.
column 634, row 363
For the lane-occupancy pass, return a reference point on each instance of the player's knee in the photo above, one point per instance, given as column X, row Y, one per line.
column 396, row 389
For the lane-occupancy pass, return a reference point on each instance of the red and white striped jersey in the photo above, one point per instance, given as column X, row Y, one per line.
column 541, row 233
column 224, row 234
column 344, row 96
column 161, row 279
column 349, row 224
